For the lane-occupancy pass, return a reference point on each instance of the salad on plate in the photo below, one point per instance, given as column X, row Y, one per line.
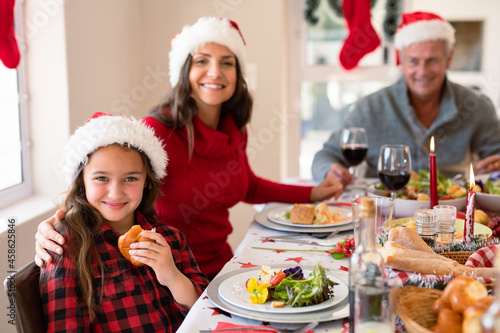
column 418, row 187
column 289, row 287
column 491, row 185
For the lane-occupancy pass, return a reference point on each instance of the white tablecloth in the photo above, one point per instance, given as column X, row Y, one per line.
column 205, row 315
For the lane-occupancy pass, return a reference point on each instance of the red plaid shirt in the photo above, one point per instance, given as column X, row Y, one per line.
column 133, row 300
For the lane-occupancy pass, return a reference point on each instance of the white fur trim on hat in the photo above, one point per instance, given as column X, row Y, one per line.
column 422, row 31
column 205, row 30
column 107, row 130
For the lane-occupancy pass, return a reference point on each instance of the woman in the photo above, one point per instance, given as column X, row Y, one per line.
column 202, row 123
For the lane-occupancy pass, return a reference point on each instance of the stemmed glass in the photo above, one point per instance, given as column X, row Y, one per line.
column 354, row 146
column 394, row 167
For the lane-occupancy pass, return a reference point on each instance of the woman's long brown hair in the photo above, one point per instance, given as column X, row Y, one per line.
column 178, row 108
column 83, row 222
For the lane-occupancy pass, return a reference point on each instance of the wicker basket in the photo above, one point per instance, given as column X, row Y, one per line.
column 459, row 256
column 414, row 306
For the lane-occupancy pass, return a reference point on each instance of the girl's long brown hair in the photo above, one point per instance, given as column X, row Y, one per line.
column 83, row 222
column 178, row 108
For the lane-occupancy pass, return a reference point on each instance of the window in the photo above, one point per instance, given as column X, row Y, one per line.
column 321, row 91
column 14, row 169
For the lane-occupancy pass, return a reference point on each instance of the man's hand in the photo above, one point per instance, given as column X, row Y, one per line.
column 489, row 164
column 340, row 173
column 326, row 189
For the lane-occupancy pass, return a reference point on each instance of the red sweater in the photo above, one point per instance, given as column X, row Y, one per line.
column 197, row 193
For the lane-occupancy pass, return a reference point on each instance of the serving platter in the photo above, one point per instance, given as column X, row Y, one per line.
column 262, row 219
column 335, row 312
column 233, row 291
column 407, row 207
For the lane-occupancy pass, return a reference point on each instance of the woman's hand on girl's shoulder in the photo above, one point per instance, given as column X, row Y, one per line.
column 47, row 238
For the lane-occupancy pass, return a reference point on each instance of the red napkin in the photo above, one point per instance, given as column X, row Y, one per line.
column 483, row 257
column 223, row 324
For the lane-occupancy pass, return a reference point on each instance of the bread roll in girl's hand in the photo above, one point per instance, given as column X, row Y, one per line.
column 132, row 236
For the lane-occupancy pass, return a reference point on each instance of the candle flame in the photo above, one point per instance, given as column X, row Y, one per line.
column 471, row 177
column 432, row 144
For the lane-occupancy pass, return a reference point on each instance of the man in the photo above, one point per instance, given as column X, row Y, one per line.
column 421, row 104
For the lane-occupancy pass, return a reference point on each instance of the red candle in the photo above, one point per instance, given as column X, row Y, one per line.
column 433, row 176
column 470, row 210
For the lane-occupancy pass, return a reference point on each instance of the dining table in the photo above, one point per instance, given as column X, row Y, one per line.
column 258, row 248
column 216, row 308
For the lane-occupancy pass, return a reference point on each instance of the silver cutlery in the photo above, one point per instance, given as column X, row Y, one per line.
column 303, row 329
column 325, row 242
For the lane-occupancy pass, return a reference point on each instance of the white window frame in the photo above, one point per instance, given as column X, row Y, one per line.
column 23, row 190
column 299, row 71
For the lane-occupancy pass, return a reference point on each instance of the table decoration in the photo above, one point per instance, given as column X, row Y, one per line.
column 433, row 176
column 470, row 209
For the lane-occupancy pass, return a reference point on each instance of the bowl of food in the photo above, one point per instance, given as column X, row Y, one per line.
column 415, row 195
column 488, row 192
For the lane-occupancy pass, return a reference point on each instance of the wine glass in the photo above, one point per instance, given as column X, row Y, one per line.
column 354, row 146
column 394, row 167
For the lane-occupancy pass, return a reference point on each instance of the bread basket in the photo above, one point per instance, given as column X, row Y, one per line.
column 459, row 256
column 414, row 305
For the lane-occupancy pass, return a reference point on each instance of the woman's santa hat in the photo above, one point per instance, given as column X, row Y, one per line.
column 103, row 130
column 420, row 27
column 218, row 30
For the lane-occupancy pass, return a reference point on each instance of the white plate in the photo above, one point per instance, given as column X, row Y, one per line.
column 278, row 215
column 233, row 291
column 261, row 218
column 337, row 312
column 404, row 207
column 488, row 202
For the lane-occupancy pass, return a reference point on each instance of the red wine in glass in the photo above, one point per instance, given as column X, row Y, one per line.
column 394, row 180
column 354, row 147
column 394, row 167
column 355, row 153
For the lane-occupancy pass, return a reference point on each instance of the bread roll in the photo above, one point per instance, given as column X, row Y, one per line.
column 302, row 214
column 440, row 304
column 464, row 293
column 448, row 321
column 132, row 236
column 474, row 313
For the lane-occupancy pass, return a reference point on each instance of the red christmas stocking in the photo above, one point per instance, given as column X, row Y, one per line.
column 362, row 37
column 9, row 52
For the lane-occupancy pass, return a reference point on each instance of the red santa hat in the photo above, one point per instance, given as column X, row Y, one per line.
column 420, row 27
column 103, row 130
column 218, row 30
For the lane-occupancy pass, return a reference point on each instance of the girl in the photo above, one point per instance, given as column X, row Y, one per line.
column 203, row 124
column 115, row 165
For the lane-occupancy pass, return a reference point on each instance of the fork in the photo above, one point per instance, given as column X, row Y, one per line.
column 327, row 243
column 303, row 329
column 321, row 242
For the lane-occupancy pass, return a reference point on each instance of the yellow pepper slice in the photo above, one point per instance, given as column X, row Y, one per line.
column 259, row 293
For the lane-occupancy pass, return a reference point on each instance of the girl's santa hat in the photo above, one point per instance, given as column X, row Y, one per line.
column 420, row 27
column 103, row 130
column 218, row 30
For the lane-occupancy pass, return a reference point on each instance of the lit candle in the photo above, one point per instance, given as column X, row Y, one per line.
column 433, row 176
column 470, row 210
